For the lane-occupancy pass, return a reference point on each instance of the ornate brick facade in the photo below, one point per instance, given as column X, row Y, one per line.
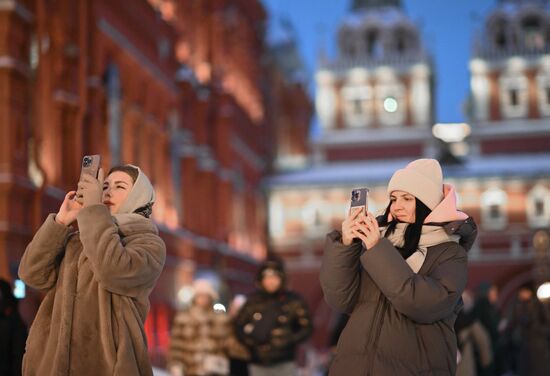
column 176, row 87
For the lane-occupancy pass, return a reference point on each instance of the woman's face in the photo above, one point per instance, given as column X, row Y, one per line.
column 116, row 188
column 403, row 206
column 271, row 282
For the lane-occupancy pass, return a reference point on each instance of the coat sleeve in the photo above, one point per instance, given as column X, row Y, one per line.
column 423, row 298
column 302, row 326
column 122, row 269
column 40, row 263
column 241, row 320
column 340, row 273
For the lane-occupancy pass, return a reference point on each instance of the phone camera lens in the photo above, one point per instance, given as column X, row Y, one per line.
column 87, row 161
column 355, row 196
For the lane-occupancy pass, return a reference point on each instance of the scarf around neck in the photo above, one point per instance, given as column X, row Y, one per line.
column 431, row 235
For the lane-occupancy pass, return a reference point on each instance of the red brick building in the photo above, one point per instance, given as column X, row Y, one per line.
column 176, row 87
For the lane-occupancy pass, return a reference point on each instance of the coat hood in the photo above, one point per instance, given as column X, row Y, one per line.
column 453, row 221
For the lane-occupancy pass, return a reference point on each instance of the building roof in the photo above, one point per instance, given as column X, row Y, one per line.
column 501, row 166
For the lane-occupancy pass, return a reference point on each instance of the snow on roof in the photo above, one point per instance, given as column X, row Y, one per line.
column 527, row 166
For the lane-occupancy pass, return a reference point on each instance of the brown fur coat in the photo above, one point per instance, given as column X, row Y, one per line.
column 197, row 333
column 98, row 283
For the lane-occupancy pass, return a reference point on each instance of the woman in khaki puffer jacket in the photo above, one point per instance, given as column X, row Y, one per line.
column 400, row 278
column 97, row 280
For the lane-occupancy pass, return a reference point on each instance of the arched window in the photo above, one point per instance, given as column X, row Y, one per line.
column 500, row 34
column 315, row 217
column 532, row 32
column 356, row 101
column 538, row 206
column 373, row 43
column 493, row 209
column 401, row 41
column 513, row 94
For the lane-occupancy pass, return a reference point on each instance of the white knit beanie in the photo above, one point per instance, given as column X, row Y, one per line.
column 203, row 286
column 142, row 193
column 421, row 178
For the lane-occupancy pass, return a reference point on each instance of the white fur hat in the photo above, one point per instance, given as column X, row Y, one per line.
column 421, row 178
column 203, row 286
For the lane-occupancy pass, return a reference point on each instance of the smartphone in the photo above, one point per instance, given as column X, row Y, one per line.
column 359, row 198
column 90, row 165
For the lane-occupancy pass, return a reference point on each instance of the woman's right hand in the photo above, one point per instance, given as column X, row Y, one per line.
column 349, row 225
column 69, row 209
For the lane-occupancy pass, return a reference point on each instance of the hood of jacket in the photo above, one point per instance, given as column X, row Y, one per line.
column 454, row 221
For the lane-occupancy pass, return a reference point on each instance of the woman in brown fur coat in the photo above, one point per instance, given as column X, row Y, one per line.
column 97, row 280
column 198, row 343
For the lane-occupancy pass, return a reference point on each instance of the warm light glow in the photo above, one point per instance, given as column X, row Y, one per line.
column 451, row 132
column 218, row 307
column 390, row 104
column 543, row 292
column 203, row 72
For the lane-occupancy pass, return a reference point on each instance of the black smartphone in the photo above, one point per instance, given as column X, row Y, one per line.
column 90, row 165
column 359, row 198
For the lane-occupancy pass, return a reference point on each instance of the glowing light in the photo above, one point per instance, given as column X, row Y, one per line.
column 390, row 104
column 451, row 132
column 543, row 292
column 218, row 307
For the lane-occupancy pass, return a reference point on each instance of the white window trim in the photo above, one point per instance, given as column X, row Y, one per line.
column 351, row 93
column 539, row 192
column 514, row 81
column 494, row 196
column 543, row 84
column 325, row 103
column 481, row 93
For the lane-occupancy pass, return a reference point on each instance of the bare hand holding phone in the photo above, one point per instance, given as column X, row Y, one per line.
column 68, row 210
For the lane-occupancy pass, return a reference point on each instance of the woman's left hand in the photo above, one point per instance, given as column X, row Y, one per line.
column 90, row 189
column 367, row 230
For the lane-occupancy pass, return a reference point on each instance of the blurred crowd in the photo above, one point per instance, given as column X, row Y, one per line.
column 260, row 333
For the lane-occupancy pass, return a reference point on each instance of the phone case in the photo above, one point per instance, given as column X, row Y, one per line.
column 359, row 198
column 90, row 165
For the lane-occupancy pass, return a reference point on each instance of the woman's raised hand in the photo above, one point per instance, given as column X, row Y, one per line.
column 68, row 210
column 349, row 224
column 366, row 229
column 90, row 189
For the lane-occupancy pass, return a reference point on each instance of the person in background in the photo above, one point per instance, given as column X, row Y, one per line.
column 97, row 279
column 530, row 325
column 474, row 342
column 487, row 313
column 400, row 278
column 199, row 336
column 273, row 321
column 13, row 333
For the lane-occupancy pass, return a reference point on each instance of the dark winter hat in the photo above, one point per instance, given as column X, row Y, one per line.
column 271, row 265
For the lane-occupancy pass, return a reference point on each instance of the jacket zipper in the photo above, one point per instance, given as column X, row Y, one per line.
column 378, row 321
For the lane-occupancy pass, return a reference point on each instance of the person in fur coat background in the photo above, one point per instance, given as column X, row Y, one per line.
column 198, row 342
column 97, row 280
